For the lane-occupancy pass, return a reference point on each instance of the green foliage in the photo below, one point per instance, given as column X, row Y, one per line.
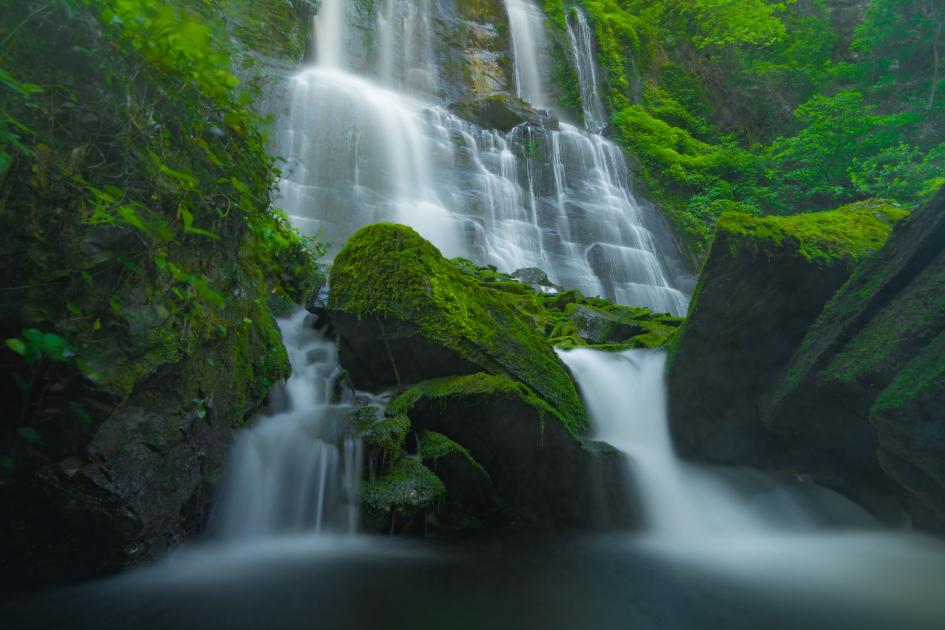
column 836, row 130
column 849, row 233
column 759, row 107
column 135, row 219
column 36, row 346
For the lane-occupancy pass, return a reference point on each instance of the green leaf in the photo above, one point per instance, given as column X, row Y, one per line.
column 31, row 435
column 17, row 346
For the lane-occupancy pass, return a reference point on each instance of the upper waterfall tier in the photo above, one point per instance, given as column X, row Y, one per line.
column 378, row 143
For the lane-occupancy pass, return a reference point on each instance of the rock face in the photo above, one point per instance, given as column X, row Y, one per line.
column 542, row 474
column 477, row 377
column 878, row 352
column 764, row 283
column 504, row 113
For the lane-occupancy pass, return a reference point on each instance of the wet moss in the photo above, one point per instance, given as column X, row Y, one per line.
column 406, row 488
column 848, row 233
column 480, row 384
column 389, row 271
column 435, row 446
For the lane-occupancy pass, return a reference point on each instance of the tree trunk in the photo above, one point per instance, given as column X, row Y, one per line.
column 936, row 41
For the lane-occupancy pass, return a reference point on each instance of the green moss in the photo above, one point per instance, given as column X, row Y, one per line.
column 435, row 446
column 848, row 234
column 407, row 487
column 913, row 318
column 389, row 271
column 922, row 379
column 386, row 434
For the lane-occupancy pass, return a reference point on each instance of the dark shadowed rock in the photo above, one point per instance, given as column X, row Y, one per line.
column 877, row 353
column 764, row 283
column 503, row 113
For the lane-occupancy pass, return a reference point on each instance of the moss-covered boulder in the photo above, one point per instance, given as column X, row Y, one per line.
column 406, row 314
column 868, row 374
column 542, row 476
column 763, row 284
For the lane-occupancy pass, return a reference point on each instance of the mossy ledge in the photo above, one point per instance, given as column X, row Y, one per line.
column 848, row 233
column 388, row 282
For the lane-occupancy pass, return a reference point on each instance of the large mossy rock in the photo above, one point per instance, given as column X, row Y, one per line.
column 406, row 314
column 506, row 440
column 763, row 284
column 877, row 353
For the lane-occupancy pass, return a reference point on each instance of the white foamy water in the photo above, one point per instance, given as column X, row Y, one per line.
column 290, row 472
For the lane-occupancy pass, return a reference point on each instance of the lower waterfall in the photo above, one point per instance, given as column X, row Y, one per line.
column 286, row 474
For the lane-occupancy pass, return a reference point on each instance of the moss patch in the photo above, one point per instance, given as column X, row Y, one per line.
column 849, row 233
column 435, row 446
column 407, row 487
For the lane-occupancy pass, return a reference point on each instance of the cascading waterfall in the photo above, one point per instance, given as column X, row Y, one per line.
column 794, row 541
column 287, row 474
column 526, row 22
column 626, row 399
column 380, row 145
column 582, row 47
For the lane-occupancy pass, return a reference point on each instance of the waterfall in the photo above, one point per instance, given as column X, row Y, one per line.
column 625, row 395
column 582, row 49
column 381, row 144
column 330, row 31
column 526, row 23
column 286, row 474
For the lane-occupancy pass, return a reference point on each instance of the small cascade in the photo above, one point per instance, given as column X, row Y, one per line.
column 581, row 39
column 287, row 474
column 330, row 30
column 625, row 395
column 526, row 22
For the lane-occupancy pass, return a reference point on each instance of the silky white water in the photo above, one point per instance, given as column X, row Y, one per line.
column 289, row 473
column 783, row 539
column 381, row 144
column 585, row 63
column 526, row 23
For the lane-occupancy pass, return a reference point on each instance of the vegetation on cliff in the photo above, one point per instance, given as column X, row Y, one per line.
column 773, row 107
column 141, row 259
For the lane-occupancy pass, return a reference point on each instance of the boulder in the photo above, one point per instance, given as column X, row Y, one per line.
column 543, row 475
column 406, row 314
column 876, row 353
column 764, row 283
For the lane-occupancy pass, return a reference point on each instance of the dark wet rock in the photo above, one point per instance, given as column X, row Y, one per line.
column 870, row 374
column 503, row 113
column 764, row 283
column 543, row 476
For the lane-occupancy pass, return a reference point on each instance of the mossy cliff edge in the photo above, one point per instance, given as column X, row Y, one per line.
column 468, row 351
column 777, row 368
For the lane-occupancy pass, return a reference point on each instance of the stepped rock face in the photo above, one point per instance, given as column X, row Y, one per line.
column 472, row 365
column 764, row 283
column 869, row 374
